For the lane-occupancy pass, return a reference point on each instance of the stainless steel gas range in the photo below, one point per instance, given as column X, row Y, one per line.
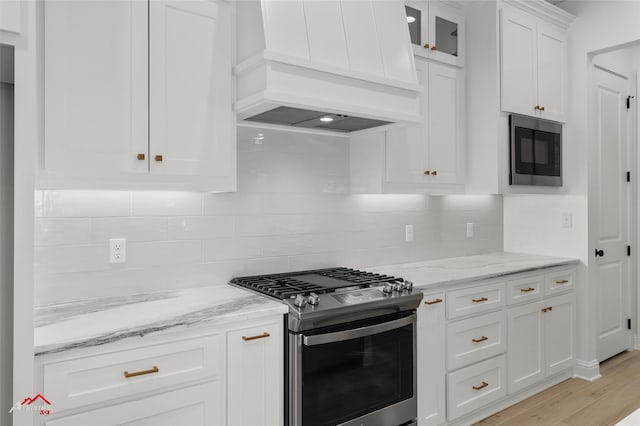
column 351, row 347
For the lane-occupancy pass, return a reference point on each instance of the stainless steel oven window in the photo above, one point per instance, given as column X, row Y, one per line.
column 364, row 372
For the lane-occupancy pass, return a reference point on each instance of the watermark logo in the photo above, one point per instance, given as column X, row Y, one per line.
column 38, row 404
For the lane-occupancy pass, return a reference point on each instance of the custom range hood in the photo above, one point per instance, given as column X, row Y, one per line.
column 337, row 65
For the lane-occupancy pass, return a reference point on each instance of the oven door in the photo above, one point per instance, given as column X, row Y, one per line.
column 536, row 152
column 359, row 373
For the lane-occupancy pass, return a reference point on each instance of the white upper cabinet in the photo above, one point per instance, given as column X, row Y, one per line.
column 436, row 30
column 422, row 158
column 145, row 102
column 191, row 121
column 533, row 65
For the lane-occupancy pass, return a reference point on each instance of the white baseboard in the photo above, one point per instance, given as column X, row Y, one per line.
column 636, row 342
column 587, row 370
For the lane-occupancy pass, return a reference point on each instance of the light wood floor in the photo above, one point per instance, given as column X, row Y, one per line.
column 581, row 403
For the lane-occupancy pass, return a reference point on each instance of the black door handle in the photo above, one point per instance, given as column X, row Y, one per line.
column 599, row 253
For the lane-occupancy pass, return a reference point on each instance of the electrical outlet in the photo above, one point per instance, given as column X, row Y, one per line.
column 408, row 233
column 117, row 250
column 567, row 220
column 469, row 229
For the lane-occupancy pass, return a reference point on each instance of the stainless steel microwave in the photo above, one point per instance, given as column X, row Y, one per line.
column 536, row 151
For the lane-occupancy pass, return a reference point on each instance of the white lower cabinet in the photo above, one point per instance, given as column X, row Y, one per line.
column 255, row 374
column 489, row 340
column 431, row 360
column 193, row 406
column 225, row 375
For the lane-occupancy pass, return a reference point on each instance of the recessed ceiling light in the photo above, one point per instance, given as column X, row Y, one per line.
column 326, row 119
column 411, row 19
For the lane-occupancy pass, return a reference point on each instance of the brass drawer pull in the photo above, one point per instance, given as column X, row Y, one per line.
column 434, row 48
column 427, row 172
column 482, row 339
column 259, row 336
column 541, row 108
column 141, row 373
column 140, row 157
column 550, row 308
column 482, row 299
column 158, row 158
column 434, row 173
column 527, row 290
column 483, row 385
column 432, row 302
column 562, row 281
column 426, row 46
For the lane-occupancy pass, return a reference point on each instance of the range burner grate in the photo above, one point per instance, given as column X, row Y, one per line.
column 286, row 285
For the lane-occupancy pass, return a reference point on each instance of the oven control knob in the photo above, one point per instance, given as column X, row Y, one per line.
column 313, row 299
column 408, row 285
column 398, row 287
column 388, row 289
column 300, row 301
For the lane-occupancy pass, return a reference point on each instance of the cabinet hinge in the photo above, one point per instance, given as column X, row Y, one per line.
column 628, row 250
column 629, row 101
column 628, row 176
column 629, row 323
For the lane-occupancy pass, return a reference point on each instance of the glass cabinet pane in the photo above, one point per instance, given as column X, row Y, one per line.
column 446, row 36
column 414, row 19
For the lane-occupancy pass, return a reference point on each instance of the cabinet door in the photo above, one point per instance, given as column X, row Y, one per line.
column 192, row 131
column 431, row 360
column 559, row 330
column 255, row 389
column 406, row 147
column 525, row 346
column 552, row 71
column 418, row 21
column 10, row 15
column 193, row 406
column 518, row 62
column 444, row 123
column 446, row 34
column 95, row 86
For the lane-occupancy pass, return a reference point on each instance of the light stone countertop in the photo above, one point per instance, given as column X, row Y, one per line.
column 455, row 270
column 97, row 322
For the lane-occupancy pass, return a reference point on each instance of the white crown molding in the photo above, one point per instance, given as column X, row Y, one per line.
column 544, row 10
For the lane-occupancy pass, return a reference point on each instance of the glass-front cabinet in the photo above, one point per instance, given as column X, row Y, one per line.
column 436, row 30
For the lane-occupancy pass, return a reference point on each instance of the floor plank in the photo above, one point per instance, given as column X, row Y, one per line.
column 576, row 402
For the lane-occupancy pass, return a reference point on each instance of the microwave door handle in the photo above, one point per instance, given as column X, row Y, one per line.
column 338, row 336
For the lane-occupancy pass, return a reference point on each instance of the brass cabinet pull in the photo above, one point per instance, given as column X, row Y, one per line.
column 541, row 108
column 434, row 48
column 483, row 385
column 434, row 173
column 259, row 336
column 482, row 299
column 426, row 45
column 550, row 308
column 482, row 339
column 158, row 158
column 432, row 302
column 537, row 107
column 140, row 157
column 141, row 373
column 427, row 172
column 527, row 290
column 562, row 281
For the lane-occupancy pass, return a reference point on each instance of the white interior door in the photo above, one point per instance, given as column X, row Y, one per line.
column 613, row 195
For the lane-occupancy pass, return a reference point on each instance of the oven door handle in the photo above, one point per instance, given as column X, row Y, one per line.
column 338, row 336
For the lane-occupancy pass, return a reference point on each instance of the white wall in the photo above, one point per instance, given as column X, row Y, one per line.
column 6, row 250
column 599, row 25
column 291, row 212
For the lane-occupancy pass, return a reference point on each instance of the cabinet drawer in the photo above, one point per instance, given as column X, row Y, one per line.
column 525, row 289
column 475, row 386
column 474, row 300
column 199, row 405
column 558, row 282
column 475, row 339
column 92, row 379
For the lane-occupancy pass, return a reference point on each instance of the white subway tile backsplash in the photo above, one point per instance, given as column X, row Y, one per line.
column 291, row 212
column 166, row 203
column 86, row 203
column 200, row 227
